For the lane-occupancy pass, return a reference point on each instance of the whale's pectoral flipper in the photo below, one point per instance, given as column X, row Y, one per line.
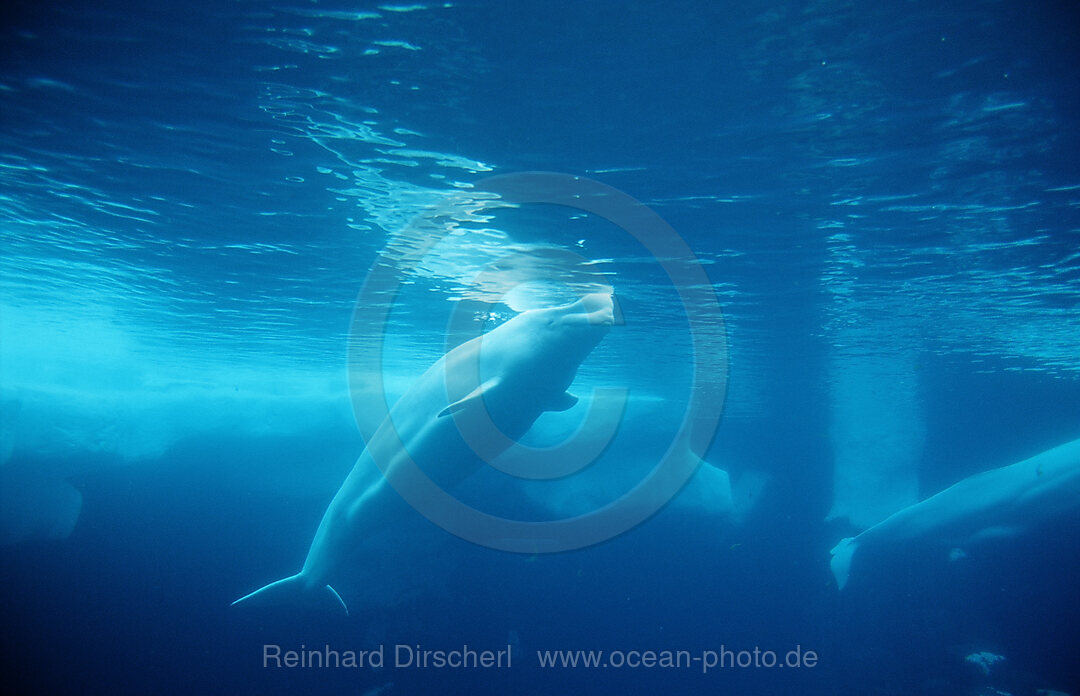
column 289, row 590
column 470, row 398
column 841, row 560
column 562, row 402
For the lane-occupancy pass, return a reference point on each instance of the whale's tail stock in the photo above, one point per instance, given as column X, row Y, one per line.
column 296, row 590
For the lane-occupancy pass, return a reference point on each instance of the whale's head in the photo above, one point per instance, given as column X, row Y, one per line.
column 570, row 332
column 586, row 320
column 525, row 365
column 548, row 344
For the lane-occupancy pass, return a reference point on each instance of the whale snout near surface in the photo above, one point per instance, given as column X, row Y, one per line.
column 595, row 310
column 599, row 308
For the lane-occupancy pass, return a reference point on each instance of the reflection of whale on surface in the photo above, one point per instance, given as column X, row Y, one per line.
column 524, row 368
column 1000, row 502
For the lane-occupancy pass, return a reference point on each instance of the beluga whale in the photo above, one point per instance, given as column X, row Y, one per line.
column 992, row 504
column 509, row 376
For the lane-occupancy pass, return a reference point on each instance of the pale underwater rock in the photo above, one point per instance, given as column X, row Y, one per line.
column 53, row 434
column 984, row 660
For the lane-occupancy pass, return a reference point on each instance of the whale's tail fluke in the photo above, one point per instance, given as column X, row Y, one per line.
column 295, row 589
column 841, row 560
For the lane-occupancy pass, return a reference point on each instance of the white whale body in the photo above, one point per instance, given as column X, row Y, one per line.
column 999, row 502
column 523, row 367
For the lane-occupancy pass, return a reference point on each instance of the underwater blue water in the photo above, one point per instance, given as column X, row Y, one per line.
column 885, row 198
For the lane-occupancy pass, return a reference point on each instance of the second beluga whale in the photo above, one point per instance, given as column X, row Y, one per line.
column 523, row 368
column 996, row 503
